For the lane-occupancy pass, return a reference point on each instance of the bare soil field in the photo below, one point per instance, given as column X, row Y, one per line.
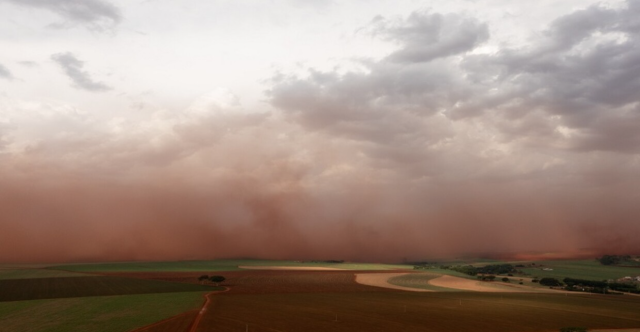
column 412, row 311
column 288, row 268
column 463, row 284
column 286, row 300
column 271, row 281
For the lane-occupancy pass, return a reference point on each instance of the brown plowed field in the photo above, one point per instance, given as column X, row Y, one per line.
column 405, row 311
column 271, row 281
column 333, row 301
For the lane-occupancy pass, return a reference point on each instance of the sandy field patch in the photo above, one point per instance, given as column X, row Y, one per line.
column 382, row 280
column 290, row 268
column 467, row 284
column 482, row 286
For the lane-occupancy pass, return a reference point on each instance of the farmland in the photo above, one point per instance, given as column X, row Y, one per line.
column 584, row 269
column 216, row 265
column 50, row 288
column 294, row 296
column 99, row 314
column 38, row 299
column 310, row 301
column 32, row 273
column 419, row 280
column 404, row 311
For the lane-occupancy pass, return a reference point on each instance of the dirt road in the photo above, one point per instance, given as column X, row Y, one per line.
column 194, row 325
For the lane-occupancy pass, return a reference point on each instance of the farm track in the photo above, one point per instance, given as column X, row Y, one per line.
column 203, row 310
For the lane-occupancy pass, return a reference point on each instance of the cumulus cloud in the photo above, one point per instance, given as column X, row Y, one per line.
column 73, row 68
column 572, row 87
column 582, row 71
column 397, row 103
column 94, row 14
column 4, row 72
column 425, row 36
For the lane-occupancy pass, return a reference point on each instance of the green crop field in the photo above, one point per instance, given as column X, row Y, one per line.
column 579, row 269
column 32, row 273
column 49, row 288
column 420, row 281
column 96, row 314
column 131, row 295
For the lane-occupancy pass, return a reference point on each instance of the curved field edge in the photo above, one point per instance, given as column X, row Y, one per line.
column 448, row 283
column 419, row 281
column 120, row 313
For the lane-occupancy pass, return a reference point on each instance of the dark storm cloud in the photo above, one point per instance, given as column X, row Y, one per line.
column 573, row 86
column 394, row 104
column 425, row 37
column 4, row 72
column 73, row 68
column 390, row 111
column 95, row 14
column 585, row 69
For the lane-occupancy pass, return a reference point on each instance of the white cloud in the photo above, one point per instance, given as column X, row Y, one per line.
column 93, row 14
column 73, row 68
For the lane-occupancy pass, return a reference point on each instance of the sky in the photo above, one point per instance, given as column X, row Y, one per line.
column 287, row 129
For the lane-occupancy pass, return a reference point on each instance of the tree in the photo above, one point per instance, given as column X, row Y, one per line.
column 609, row 260
column 202, row 278
column 550, row 282
column 217, row 279
column 505, row 279
column 614, row 259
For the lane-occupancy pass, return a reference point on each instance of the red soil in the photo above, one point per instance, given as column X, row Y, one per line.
column 271, row 281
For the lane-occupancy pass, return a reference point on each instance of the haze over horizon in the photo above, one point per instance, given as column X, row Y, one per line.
column 290, row 129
